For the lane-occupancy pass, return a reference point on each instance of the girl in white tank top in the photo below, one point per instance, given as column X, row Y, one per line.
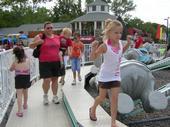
column 109, row 75
column 110, row 69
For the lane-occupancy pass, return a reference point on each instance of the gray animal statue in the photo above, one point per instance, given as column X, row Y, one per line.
column 137, row 83
column 147, row 54
column 141, row 54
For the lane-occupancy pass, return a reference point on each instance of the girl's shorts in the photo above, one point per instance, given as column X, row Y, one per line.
column 109, row 85
column 22, row 81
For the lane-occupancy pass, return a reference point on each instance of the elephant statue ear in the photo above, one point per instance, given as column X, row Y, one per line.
column 158, row 100
column 125, row 103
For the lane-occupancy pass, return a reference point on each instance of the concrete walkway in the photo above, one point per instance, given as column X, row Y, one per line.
column 52, row 115
column 39, row 115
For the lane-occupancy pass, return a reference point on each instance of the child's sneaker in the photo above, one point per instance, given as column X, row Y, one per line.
column 74, row 82
column 45, row 99
column 55, row 100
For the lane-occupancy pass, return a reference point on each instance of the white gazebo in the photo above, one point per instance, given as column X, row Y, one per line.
column 93, row 20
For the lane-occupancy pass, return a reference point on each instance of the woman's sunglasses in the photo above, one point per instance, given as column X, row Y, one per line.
column 49, row 28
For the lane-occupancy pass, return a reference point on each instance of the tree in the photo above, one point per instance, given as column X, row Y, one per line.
column 23, row 13
column 107, row 1
column 9, row 2
column 124, row 34
column 66, row 10
column 121, row 7
column 146, row 27
column 135, row 22
column 89, row 1
column 39, row 16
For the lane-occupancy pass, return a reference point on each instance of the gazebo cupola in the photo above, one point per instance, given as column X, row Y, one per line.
column 98, row 6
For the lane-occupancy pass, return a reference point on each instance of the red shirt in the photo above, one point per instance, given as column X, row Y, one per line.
column 49, row 51
column 64, row 43
column 138, row 42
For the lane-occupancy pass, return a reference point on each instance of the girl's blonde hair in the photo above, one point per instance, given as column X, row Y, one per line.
column 66, row 31
column 107, row 21
column 110, row 25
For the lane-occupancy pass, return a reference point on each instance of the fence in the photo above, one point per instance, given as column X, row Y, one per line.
column 7, row 82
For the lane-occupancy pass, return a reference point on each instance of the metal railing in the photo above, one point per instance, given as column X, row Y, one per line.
column 7, row 82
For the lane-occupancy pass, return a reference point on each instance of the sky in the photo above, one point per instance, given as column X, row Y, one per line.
column 152, row 10
column 155, row 11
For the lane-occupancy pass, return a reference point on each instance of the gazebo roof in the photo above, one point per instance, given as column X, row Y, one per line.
column 97, row 16
column 97, row 2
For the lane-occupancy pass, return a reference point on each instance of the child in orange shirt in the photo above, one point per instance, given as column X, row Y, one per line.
column 77, row 50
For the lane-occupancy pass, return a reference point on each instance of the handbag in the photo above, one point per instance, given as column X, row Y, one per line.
column 36, row 51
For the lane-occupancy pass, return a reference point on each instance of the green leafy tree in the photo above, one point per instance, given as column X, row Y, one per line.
column 18, row 16
column 89, row 1
column 23, row 12
column 10, row 2
column 107, row 1
column 66, row 10
column 38, row 16
column 121, row 7
column 5, row 18
column 146, row 27
column 135, row 22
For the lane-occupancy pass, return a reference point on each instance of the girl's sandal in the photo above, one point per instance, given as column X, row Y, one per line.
column 25, row 106
column 92, row 118
column 19, row 114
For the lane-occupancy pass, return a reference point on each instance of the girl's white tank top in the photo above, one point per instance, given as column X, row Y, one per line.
column 110, row 68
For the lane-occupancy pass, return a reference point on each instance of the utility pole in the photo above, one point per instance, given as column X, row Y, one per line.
column 167, row 27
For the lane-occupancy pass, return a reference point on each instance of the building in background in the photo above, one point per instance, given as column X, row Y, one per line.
column 88, row 25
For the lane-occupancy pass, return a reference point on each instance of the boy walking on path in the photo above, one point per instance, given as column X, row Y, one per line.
column 77, row 50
